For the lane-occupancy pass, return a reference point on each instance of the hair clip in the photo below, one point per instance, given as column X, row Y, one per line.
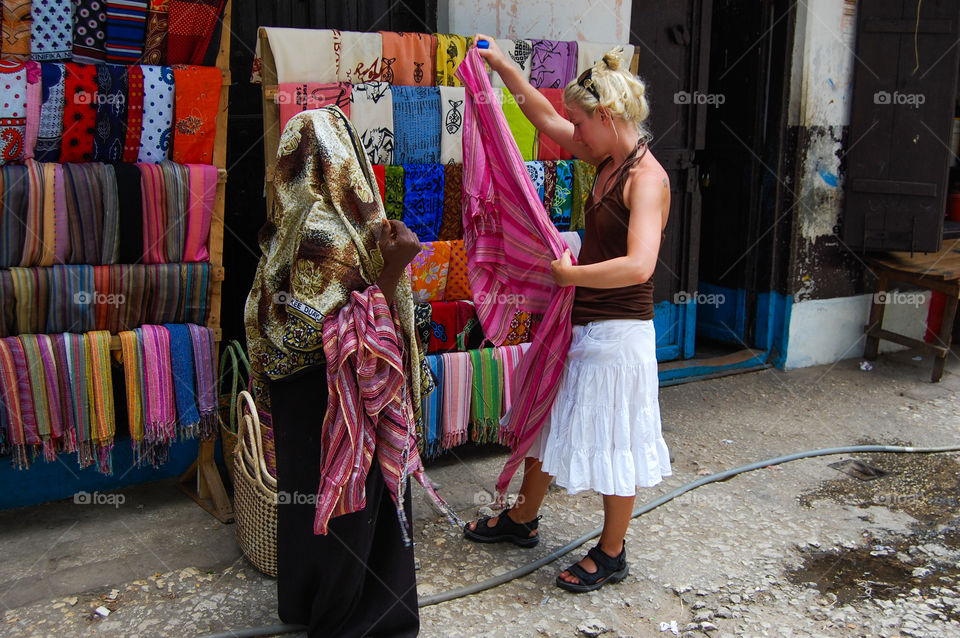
column 586, row 82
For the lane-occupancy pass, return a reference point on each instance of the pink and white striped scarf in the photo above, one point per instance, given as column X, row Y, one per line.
column 457, row 384
column 510, row 243
column 509, row 358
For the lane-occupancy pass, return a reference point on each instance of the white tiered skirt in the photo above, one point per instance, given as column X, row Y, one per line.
column 603, row 432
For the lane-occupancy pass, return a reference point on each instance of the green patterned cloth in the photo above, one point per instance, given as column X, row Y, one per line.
column 487, row 396
column 393, row 187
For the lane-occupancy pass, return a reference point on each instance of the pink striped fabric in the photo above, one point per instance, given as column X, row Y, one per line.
column 510, row 243
column 154, row 197
column 34, row 100
column 368, row 411
column 457, row 391
column 203, row 192
column 509, row 358
column 160, row 408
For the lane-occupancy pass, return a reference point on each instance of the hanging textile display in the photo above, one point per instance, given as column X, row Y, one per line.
column 423, row 199
column 296, row 98
column 486, row 396
column 16, row 30
column 182, row 375
column 197, row 107
column 51, row 33
column 176, row 178
column 451, row 50
column 452, row 99
column 535, row 171
column 102, row 418
column 34, row 249
column 13, row 110
column 158, row 105
column 429, row 271
column 73, row 304
column 523, row 131
column 79, row 113
column 584, row 174
column 408, row 58
column 549, row 184
column 13, row 215
column 131, row 223
column 111, row 104
column 204, row 359
column 371, row 113
column 33, row 105
column 90, row 31
column 126, row 30
column 133, row 385
column 25, row 439
column 191, row 26
column 416, row 118
column 295, row 54
column 155, row 41
column 563, row 196
column 84, row 200
column 203, row 180
column 553, row 63
column 110, row 241
column 451, row 226
column 358, row 56
column 518, row 52
column 393, row 185
column 161, row 412
column 155, row 222
column 458, row 280
column 433, row 409
column 509, row 358
column 457, row 391
column 52, row 80
column 8, row 305
column 46, row 407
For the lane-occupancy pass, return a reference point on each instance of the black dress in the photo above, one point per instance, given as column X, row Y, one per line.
column 357, row 580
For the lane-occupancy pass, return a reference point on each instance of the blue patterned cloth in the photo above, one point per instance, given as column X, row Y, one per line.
column 182, row 368
column 111, row 132
column 51, row 113
column 156, row 135
column 433, row 408
column 126, row 30
column 416, row 124
column 563, row 196
column 423, row 199
column 537, row 175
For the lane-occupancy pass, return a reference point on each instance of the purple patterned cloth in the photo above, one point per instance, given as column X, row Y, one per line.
column 553, row 63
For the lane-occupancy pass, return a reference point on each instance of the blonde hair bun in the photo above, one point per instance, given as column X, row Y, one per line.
column 614, row 87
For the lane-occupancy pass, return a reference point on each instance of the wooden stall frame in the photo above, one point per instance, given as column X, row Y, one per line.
column 202, row 481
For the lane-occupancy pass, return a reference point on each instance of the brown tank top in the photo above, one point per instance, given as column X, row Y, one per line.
column 605, row 237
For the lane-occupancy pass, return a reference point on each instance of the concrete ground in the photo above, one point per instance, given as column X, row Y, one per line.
column 800, row 549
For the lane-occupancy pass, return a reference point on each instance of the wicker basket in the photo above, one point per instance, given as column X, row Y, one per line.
column 254, row 492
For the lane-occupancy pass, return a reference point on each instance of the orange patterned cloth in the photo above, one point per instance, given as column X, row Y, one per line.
column 197, row 106
column 131, row 148
column 408, row 58
column 16, row 30
column 428, row 271
column 458, row 285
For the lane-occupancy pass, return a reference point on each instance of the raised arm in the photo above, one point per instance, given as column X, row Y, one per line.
column 533, row 104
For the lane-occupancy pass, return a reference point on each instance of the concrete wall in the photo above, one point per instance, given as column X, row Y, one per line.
column 831, row 286
column 591, row 20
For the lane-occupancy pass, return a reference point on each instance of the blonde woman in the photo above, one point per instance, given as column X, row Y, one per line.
column 603, row 432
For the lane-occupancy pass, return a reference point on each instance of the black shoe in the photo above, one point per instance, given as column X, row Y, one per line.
column 504, row 530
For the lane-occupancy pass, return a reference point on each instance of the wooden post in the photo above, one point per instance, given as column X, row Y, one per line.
column 202, row 481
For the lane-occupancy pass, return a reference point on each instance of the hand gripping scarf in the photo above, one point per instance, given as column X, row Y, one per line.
column 510, row 243
column 13, row 110
column 90, row 31
column 293, row 98
column 158, row 24
column 51, row 35
column 51, row 112
column 320, row 278
column 197, row 107
column 408, row 58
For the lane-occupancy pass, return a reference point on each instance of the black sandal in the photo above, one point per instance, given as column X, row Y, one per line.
column 504, row 530
column 609, row 570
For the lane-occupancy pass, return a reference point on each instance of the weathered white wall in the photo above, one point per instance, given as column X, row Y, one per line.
column 827, row 330
column 591, row 20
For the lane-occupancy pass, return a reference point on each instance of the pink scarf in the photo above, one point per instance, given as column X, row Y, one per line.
column 203, row 192
column 510, row 243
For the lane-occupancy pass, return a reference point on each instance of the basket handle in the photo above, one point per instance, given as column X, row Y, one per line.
column 234, row 352
column 252, row 439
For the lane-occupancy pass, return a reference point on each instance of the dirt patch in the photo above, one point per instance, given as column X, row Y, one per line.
column 925, row 486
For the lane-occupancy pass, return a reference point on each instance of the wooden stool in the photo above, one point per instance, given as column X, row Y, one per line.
column 931, row 271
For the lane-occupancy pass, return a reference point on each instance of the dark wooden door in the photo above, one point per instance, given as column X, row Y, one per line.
column 904, row 90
